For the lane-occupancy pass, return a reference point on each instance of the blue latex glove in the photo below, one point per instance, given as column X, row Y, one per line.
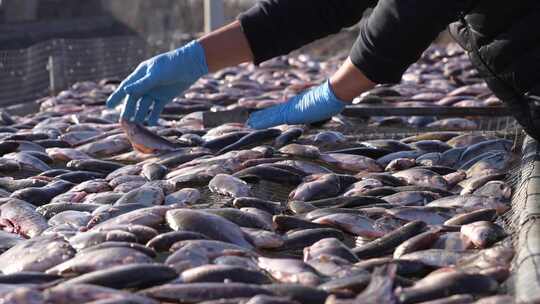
column 156, row 81
column 313, row 105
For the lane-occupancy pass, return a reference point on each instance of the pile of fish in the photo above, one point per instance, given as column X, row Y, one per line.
column 94, row 210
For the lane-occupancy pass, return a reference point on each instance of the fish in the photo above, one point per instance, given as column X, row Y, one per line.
column 419, row 242
column 253, row 138
column 380, row 288
column 199, row 292
column 145, row 141
column 351, row 162
column 307, row 151
column 423, row 177
column 148, row 196
column 389, row 241
column 243, row 219
column 322, row 186
column 192, row 253
column 290, row 271
column 39, row 196
column 37, row 254
column 287, row 136
column 212, row 226
column 229, row 185
column 329, row 247
column 470, row 202
column 20, row 217
column 471, row 217
column 188, row 196
column 430, row 216
column 88, row 293
column 482, row 233
column 355, row 224
column 127, row 276
column 302, row 238
column 269, row 173
column 437, row 257
column 220, row 273
column 447, row 284
column 86, row 262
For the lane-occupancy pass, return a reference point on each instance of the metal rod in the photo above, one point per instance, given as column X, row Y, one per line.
column 426, row 111
column 52, row 80
column 214, row 14
column 527, row 282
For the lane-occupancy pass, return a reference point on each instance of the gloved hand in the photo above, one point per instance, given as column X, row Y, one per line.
column 156, row 81
column 313, row 105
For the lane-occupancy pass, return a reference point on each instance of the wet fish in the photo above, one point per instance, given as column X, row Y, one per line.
column 287, row 136
column 355, row 224
column 100, row 166
column 380, row 288
column 419, row 242
column 322, row 186
column 351, row 162
column 192, row 253
column 229, row 185
column 329, row 247
column 253, row 138
column 39, row 196
column 497, row 189
column 88, row 293
column 212, row 226
column 8, row 240
column 423, row 177
column 89, row 261
column 307, row 237
column 127, row 276
column 269, row 173
column 436, row 257
column 471, row 217
column 145, row 141
column 243, row 219
column 268, row 206
column 483, row 147
column 446, row 284
column 198, row 292
column 150, row 216
column 20, row 217
column 28, row 161
column 290, row 271
column 220, row 273
column 188, row 196
column 37, row 254
column 452, row 241
column 483, row 233
column 430, row 216
column 470, row 202
column 389, row 241
column 148, row 196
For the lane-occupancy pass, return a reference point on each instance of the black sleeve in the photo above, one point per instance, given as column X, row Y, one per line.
column 276, row 27
column 397, row 32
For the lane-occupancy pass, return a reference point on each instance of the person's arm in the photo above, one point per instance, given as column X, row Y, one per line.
column 227, row 46
column 391, row 39
column 276, row 27
column 397, row 32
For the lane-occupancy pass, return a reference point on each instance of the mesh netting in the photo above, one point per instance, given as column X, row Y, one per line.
column 523, row 222
column 31, row 73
